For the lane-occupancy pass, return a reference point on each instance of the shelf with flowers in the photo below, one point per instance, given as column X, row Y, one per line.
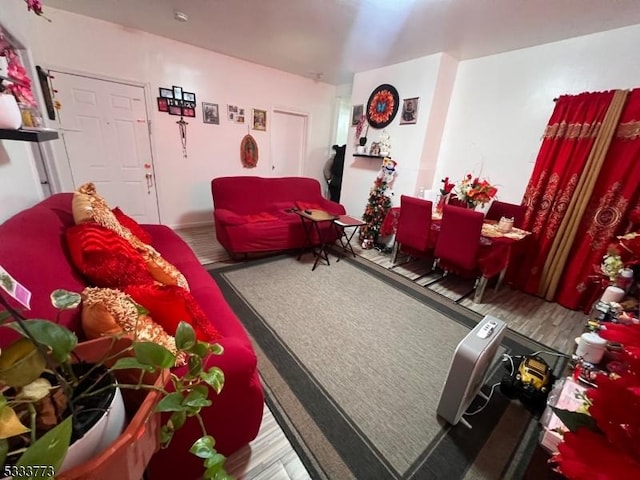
column 470, row 192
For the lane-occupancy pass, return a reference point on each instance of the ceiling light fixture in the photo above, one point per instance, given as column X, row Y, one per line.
column 180, row 16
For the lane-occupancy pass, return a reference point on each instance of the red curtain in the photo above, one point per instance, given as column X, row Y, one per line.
column 616, row 193
column 568, row 139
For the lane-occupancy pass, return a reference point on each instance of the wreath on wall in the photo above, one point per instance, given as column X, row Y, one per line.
column 382, row 106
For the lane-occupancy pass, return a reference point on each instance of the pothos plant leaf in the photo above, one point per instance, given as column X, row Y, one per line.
column 49, row 449
column 153, row 354
column 59, row 339
column 185, row 336
column 214, row 377
column 10, row 424
column 203, row 447
column 64, row 299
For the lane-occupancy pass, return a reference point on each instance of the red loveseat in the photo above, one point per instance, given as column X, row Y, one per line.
column 34, row 252
column 253, row 214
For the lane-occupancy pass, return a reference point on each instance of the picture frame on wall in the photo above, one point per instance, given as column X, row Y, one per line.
column 175, row 110
column 409, row 115
column 163, row 105
column 356, row 114
column 188, row 112
column 188, row 97
column 259, row 119
column 210, row 113
column 177, row 93
column 166, row 92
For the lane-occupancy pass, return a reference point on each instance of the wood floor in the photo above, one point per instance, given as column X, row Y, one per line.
column 271, row 457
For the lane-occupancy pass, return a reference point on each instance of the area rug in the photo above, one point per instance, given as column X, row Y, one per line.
column 353, row 360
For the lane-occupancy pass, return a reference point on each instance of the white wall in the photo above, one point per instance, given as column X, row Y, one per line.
column 501, row 103
column 415, row 78
column 81, row 44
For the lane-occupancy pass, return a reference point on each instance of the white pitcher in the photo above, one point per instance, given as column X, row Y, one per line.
column 10, row 116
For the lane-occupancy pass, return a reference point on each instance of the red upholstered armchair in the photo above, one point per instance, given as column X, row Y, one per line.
column 458, row 246
column 413, row 236
column 498, row 209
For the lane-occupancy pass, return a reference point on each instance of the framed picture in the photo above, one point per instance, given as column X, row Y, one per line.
column 175, row 110
column 163, row 106
column 188, row 97
column 358, row 110
column 409, row 111
column 239, row 118
column 259, row 119
column 166, row 92
column 188, row 112
column 177, row 93
column 210, row 113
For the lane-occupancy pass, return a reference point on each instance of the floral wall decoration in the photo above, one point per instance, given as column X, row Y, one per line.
column 382, row 106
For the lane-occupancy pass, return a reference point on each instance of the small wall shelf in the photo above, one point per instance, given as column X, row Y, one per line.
column 28, row 135
column 365, row 155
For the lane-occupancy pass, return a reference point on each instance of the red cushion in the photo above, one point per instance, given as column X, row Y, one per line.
column 128, row 222
column 308, row 205
column 260, row 217
column 104, row 257
column 170, row 304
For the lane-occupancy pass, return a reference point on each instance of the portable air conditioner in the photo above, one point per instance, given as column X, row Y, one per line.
column 471, row 362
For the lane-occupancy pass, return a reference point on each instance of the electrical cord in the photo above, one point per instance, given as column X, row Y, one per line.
column 493, row 387
column 506, row 356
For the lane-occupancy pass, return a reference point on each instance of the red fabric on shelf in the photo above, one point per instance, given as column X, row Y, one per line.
column 170, row 304
column 104, row 257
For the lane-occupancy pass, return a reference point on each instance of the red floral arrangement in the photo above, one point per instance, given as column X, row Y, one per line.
column 447, row 186
column 605, row 442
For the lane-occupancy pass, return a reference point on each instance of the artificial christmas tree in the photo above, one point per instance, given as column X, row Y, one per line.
column 379, row 203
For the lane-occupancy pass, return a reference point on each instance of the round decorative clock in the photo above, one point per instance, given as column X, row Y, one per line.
column 382, row 106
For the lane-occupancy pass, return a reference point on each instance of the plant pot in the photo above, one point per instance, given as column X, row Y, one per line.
column 97, row 429
column 10, row 116
column 127, row 457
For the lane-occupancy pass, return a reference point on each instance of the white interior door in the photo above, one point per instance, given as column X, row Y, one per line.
column 288, row 143
column 105, row 130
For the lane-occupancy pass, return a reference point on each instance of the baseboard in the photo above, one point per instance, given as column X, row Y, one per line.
column 191, row 225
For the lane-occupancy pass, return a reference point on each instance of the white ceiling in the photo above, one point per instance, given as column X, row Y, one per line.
column 332, row 39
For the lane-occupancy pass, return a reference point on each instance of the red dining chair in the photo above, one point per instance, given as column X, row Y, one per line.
column 498, row 209
column 456, row 202
column 458, row 245
column 413, row 235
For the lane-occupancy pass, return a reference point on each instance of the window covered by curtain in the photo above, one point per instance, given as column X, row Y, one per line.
column 615, row 194
column 569, row 138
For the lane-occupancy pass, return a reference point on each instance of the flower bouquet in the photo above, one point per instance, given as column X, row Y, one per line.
column 474, row 191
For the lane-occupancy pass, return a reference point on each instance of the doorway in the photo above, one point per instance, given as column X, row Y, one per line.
column 288, row 143
column 105, row 130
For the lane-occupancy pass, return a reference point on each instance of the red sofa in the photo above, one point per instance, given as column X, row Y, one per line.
column 33, row 251
column 253, row 214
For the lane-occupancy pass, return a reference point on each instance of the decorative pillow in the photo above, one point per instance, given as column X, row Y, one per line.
column 105, row 258
column 133, row 226
column 169, row 304
column 107, row 311
column 163, row 271
column 88, row 206
column 160, row 269
column 308, row 205
column 260, row 217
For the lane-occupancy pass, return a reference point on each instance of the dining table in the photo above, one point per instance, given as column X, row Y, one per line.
column 497, row 247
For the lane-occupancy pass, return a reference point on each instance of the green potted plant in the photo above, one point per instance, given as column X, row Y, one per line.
column 47, row 348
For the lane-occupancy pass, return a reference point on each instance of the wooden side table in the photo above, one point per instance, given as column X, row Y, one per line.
column 311, row 220
column 342, row 223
